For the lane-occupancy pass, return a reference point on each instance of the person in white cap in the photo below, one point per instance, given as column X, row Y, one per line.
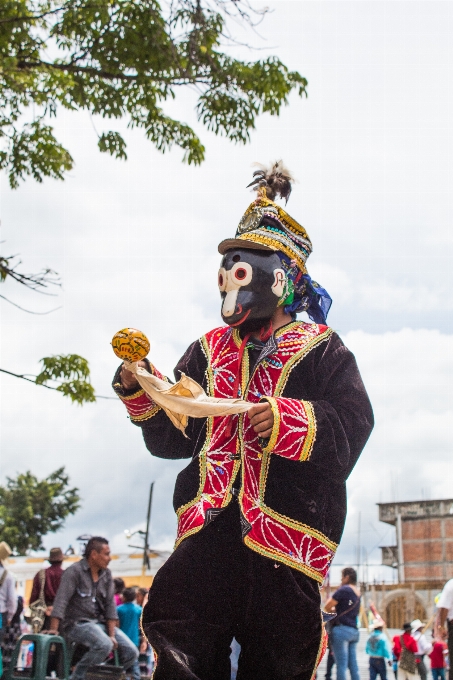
column 8, row 597
column 423, row 645
column 378, row 650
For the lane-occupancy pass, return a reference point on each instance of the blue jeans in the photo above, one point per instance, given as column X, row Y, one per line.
column 378, row 667
column 93, row 636
column 344, row 644
column 330, row 663
column 234, row 658
column 438, row 673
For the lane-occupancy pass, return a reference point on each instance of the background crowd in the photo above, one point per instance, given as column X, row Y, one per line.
column 407, row 653
column 97, row 614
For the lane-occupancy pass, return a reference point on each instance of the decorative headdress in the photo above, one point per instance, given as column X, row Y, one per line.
column 267, row 226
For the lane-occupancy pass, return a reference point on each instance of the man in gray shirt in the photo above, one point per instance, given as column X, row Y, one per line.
column 85, row 610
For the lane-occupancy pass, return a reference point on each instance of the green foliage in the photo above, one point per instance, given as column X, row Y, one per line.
column 114, row 144
column 75, row 370
column 124, row 59
column 34, row 151
column 31, row 508
column 5, row 268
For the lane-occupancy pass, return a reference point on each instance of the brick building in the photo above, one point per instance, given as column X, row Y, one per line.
column 424, row 539
column 423, row 557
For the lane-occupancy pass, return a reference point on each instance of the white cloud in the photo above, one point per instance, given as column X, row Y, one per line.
column 408, row 457
column 382, row 296
column 334, row 279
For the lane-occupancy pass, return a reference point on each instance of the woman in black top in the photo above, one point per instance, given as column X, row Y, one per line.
column 345, row 635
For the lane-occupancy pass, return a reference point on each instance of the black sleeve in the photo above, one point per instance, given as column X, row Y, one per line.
column 344, row 417
column 161, row 437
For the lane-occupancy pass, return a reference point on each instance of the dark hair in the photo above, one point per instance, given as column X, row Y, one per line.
column 407, row 627
column 129, row 594
column 351, row 574
column 143, row 591
column 119, row 585
column 95, row 543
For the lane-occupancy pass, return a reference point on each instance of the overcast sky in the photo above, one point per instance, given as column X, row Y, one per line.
column 136, row 245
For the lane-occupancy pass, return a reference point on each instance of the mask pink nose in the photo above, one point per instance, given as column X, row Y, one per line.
column 229, row 303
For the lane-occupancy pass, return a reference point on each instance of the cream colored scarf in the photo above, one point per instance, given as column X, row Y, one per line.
column 185, row 398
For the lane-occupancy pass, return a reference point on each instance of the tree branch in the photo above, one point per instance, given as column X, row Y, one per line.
column 29, row 311
column 45, row 278
column 50, row 12
column 91, row 70
column 49, row 387
column 75, row 68
column 30, row 17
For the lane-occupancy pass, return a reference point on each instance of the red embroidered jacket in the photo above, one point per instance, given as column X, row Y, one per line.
column 292, row 486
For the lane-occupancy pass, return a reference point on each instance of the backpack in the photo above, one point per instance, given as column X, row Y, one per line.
column 407, row 659
column 38, row 607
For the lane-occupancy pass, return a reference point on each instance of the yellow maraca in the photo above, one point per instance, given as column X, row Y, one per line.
column 130, row 344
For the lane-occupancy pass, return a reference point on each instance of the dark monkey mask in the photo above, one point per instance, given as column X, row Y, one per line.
column 251, row 283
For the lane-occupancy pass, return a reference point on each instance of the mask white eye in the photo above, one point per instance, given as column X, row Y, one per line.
column 241, row 273
column 279, row 282
column 222, row 279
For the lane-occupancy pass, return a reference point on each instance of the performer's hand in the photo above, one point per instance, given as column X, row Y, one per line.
column 262, row 419
column 128, row 379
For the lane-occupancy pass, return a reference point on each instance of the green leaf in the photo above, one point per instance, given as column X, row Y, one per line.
column 63, row 366
column 113, row 143
column 165, row 132
column 75, row 370
column 79, row 391
column 35, row 152
column 5, row 267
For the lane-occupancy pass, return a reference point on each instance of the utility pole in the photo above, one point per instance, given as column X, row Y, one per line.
column 359, row 547
column 399, row 543
column 146, row 562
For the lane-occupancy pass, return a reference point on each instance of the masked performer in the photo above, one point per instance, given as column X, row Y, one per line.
column 262, row 504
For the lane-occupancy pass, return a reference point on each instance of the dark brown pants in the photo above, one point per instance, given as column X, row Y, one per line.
column 214, row 588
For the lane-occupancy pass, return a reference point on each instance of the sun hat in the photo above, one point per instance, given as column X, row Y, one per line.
column 55, row 555
column 5, row 551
